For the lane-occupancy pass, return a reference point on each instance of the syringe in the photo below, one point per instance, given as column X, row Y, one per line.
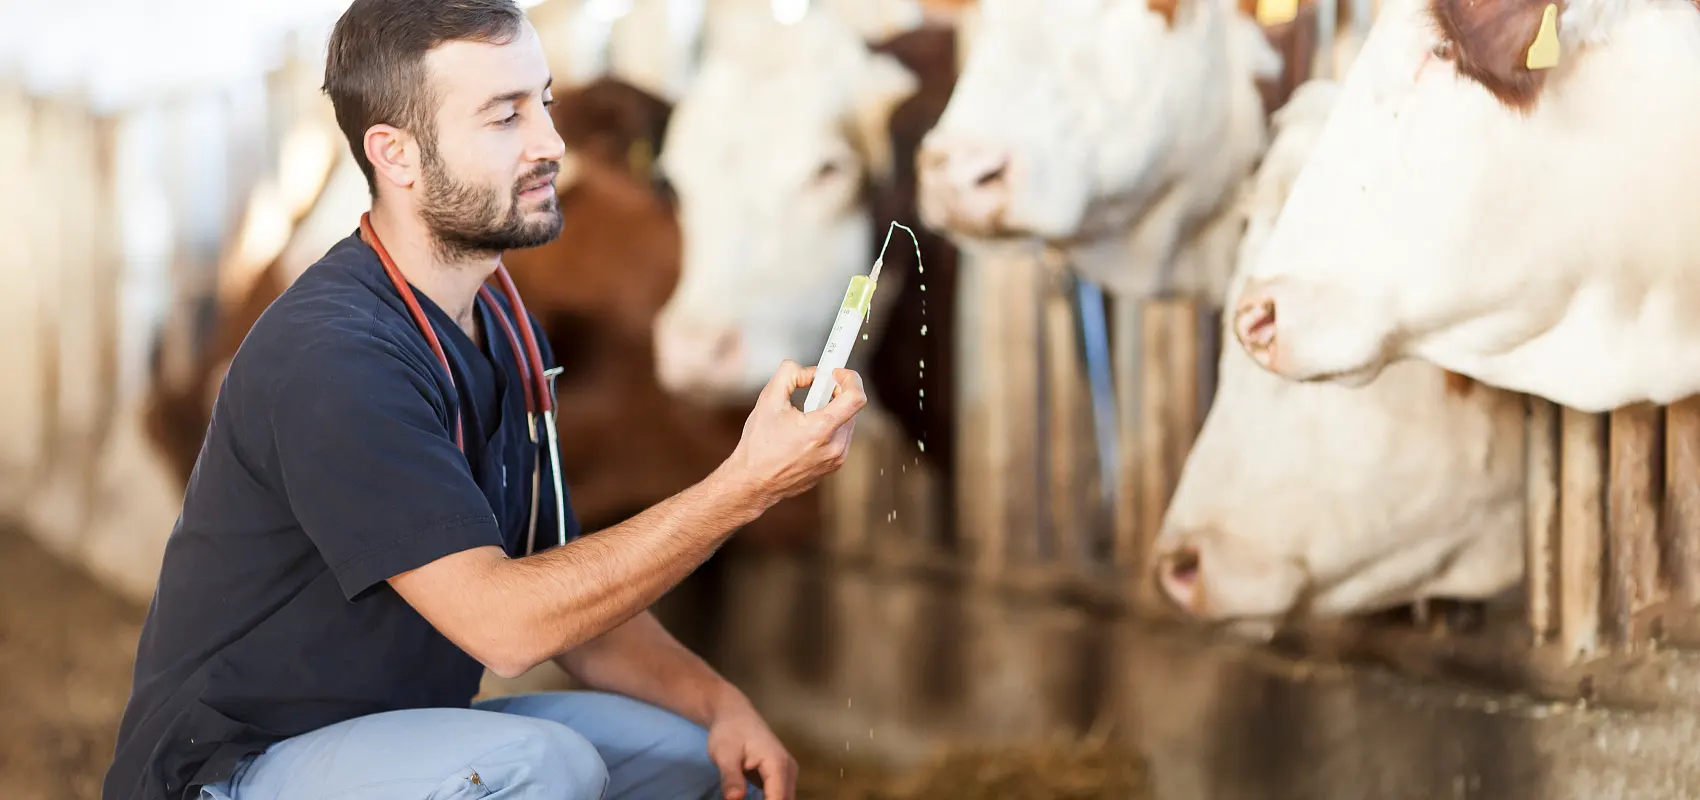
column 858, row 301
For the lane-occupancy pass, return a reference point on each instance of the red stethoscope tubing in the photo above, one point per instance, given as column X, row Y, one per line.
column 527, row 356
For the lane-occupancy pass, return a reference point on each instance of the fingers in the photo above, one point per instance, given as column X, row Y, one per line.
column 849, row 399
column 730, row 762
column 778, row 774
column 788, row 379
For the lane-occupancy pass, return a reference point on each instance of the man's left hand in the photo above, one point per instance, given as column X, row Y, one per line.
column 739, row 742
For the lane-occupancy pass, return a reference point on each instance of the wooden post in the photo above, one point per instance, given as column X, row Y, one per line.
column 1127, row 347
column 1582, row 531
column 999, row 478
column 1542, row 537
column 1169, row 360
column 23, row 270
column 856, row 497
column 1680, row 534
column 1634, row 498
column 1068, row 446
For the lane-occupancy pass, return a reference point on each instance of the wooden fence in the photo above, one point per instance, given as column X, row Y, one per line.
column 1612, row 514
column 120, row 220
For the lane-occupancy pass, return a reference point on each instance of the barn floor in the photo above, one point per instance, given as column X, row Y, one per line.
column 1201, row 723
column 67, row 646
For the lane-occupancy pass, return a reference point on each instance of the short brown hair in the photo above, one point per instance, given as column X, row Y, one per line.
column 375, row 67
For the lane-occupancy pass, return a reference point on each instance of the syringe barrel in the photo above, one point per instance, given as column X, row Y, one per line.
column 845, row 330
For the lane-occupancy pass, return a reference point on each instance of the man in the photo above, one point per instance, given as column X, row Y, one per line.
column 343, row 572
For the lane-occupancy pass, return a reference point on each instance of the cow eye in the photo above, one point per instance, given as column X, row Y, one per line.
column 1442, row 50
column 827, row 171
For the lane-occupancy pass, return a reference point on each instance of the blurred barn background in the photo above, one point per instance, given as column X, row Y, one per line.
column 1002, row 595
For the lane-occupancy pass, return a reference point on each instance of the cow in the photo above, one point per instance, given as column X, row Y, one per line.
column 1119, row 130
column 791, row 156
column 1455, row 210
column 1351, row 500
column 595, row 289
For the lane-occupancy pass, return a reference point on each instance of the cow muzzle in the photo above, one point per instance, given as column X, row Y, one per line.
column 1301, row 331
column 698, row 359
column 965, row 185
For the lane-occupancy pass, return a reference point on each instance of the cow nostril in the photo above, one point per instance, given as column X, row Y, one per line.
column 1254, row 323
column 1182, row 565
column 1178, row 575
column 725, row 345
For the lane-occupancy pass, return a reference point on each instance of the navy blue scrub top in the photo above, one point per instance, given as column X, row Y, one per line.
column 329, row 465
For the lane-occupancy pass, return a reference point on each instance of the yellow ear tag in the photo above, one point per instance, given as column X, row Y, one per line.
column 1276, row 12
column 1543, row 54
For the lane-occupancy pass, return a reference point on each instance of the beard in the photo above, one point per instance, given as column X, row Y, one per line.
column 469, row 221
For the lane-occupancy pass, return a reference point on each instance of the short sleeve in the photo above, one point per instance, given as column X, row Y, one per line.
column 368, row 465
column 573, row 528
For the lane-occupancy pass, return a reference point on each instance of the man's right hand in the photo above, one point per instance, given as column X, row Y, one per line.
column 785, row 452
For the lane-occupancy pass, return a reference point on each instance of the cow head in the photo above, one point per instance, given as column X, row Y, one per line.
column 771, row 153
column 1411, row 487
column 1073, row 117
column 1499, row 185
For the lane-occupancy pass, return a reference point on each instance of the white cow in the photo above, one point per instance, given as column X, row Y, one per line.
column 1107, row 127
column 771, row 153
column 1331, row 500
column 1534, row 229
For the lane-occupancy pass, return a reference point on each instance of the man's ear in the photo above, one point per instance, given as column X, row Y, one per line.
column 885, row 83
column 394, row 155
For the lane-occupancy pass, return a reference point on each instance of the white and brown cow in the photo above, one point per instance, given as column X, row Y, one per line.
column 1507, row 190
column 1348, row 500
column 791, row 154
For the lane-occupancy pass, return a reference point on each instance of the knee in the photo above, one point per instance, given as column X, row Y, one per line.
column 543, row 760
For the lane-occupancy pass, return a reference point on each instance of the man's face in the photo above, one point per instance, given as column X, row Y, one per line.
column 489, row 175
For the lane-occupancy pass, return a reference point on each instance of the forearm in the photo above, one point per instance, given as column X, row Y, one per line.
column 640, row 659
column 561, row 598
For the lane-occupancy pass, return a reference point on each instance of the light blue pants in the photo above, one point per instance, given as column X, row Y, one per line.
column 546, row 746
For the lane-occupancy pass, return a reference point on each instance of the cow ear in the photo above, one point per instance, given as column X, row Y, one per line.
column 1491, row 44
column 1164, row 8
column 885, row 84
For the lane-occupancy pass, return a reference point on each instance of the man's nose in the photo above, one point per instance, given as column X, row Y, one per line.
column 548, row 144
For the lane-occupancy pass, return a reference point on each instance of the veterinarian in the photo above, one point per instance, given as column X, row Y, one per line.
column 376, row 516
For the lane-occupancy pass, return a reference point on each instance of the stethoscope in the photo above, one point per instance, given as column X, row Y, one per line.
column 539, row 382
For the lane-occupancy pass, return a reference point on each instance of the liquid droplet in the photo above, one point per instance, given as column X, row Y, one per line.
column 921, row 444
column 864, row 337
column 923, row 287
column 923, row 364
column 923, row 330
column 921, row 392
